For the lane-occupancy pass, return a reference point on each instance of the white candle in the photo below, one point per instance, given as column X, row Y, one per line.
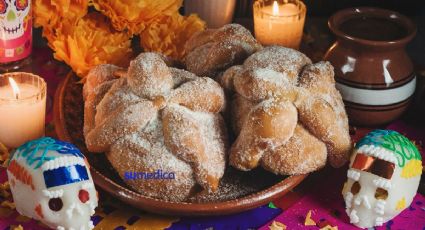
column 22, row 110
column 279, row 23
column 216, row 13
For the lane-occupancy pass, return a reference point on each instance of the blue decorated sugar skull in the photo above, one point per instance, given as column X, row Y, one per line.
column 383, row 178
column 50, row 181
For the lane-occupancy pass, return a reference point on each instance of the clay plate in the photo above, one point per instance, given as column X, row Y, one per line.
column 238, row 191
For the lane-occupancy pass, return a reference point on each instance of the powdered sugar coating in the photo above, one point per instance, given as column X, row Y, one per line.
column 140, row 77
column 202, row 94
column 268, row 125
column 212, row 51
column 278, row 76
column 302, row 153
column 262, row 83
column 148, row 153
column 97, row 76
column 181, row 76
column 117, row 95
column 146, row 120
column 279, row 59
column 322, row 111
column 97, row 83
column 197, row 137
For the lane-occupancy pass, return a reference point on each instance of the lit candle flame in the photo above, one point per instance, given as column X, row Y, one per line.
column 275, row 8
column 15, row 88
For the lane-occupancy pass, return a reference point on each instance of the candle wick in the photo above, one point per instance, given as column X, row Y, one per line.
column 15, row 88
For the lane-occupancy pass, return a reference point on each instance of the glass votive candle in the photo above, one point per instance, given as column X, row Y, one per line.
column 216, row 13
column 279, row 22
column 22, row 108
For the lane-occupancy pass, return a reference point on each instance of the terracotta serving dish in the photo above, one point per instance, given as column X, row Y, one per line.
column 238, row 191
column 372, row 69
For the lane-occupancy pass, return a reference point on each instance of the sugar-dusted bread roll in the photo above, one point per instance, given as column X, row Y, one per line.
column 286, row 113
column 156, row 117
column 212, row 51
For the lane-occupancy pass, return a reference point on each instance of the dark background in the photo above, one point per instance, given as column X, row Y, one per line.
column 328, row 7
column 322, row 9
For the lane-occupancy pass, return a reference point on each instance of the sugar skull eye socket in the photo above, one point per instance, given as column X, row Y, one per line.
column 381, row 194
column 3, row 6
column 355, row 188
column 21, row 4
column 382, row 168
column 373, row 165
column 363, row 162
column 83, row 195
column 55, row 204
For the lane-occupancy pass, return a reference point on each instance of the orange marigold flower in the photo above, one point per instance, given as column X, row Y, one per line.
column 168, row 34
column 50, row 12
column 88, row 42
column 135, row 15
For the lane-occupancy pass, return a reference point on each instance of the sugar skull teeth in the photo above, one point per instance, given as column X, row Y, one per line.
column 380, row 204
column 383, row 178
column 353, row 174
column 53, row 194
column 348, row 199
column 362, row 200
column 70, row 211
column 378, row 152
column 379, row 221
column 13, row 27
column 382, row 183
column 63, row 162
column 379, row 209
column 353, row 217
column 52, row 183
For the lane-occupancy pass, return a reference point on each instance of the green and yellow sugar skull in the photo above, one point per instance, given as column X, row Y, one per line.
column 383, row 178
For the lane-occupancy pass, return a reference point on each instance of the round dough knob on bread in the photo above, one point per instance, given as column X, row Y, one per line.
column 156, row 117
column 268, row 125
column 212, row 51
column 309, row 124
column 202, row 94
column 149, row 76
column 302, row 153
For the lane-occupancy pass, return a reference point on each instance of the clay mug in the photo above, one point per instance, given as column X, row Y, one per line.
column 372, row 69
